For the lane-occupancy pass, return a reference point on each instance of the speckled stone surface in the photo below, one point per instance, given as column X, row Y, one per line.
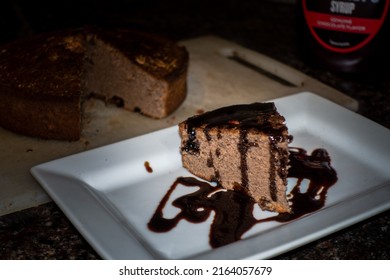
column 44, row 232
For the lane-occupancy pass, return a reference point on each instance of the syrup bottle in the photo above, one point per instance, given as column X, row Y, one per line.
column 347, row 36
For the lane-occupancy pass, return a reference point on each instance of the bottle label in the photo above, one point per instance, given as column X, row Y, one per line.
column 344, row 26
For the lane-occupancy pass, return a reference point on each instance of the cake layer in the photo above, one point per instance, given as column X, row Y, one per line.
column 146, row 71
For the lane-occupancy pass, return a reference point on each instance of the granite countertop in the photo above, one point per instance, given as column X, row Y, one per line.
column 43, row 232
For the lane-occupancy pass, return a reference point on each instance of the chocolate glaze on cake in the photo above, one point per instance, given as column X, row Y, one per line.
column 242, row 147
column 234, row 210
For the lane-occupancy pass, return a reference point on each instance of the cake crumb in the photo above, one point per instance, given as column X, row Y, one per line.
column 148, row 168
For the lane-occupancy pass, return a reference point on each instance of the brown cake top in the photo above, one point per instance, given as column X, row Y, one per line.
column 158, row 55
column 46, row 64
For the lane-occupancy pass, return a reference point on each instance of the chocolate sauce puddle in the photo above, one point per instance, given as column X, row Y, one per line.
column 234, row 210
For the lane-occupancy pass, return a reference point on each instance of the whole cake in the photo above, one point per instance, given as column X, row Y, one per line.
column 242, row 148
column 44, row 80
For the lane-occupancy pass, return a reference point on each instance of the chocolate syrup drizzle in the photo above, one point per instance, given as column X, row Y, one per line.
column 234, row 210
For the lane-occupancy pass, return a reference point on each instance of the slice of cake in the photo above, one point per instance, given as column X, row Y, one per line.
column 45, row 79
column 241, row 147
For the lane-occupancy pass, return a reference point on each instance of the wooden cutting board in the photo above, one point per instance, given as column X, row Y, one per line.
column 220, row 73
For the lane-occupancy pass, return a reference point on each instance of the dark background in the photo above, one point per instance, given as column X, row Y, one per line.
column 269, row 27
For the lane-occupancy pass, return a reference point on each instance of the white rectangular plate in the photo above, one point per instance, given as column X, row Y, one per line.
column 109, row 196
